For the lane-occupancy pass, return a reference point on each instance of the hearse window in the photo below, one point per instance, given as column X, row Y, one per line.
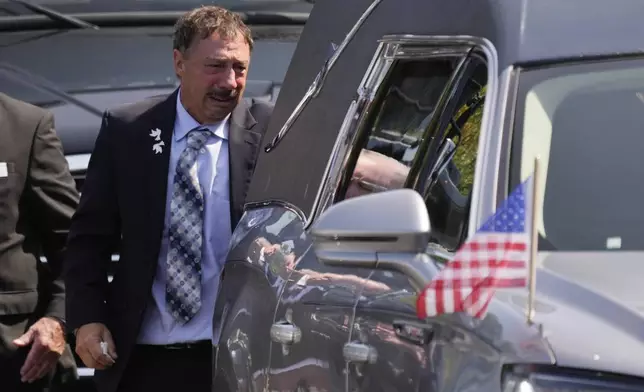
column 447, row 192
column 585, row 121
column 406, row 104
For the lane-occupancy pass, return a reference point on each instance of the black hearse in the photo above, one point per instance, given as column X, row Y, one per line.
column 401, row 126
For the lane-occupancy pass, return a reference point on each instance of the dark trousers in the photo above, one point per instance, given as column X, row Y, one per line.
column 10, row 374
column 157, row 368
column 12, row 358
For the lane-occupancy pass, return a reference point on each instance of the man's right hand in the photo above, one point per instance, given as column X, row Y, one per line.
column 88, row 346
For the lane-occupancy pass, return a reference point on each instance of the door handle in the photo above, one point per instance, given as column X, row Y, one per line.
column 285, row 333
column 360, row 353
column 416, row 333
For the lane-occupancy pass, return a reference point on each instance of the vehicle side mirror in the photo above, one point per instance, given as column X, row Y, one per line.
column 387, row 230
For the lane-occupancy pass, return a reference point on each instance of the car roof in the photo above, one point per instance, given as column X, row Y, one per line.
column 522, row 31
column 136, row 13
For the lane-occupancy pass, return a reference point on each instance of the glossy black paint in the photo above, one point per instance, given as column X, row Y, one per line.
column 272, row 271
column 135, row 13
column 99, row 6
column 242, row 322
column 104, row 76
column 271, row 258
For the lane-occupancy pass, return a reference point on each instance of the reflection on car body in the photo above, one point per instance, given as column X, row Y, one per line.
column 453, row 100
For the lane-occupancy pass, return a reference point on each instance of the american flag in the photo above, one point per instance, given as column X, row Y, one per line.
column 496, row 256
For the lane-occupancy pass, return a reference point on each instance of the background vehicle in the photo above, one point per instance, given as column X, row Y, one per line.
column 320, row 289
column 79, row 71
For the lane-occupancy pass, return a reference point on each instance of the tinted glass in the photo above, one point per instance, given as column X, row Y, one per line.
column 585, row 122
column 409, row 98
column 447, row 191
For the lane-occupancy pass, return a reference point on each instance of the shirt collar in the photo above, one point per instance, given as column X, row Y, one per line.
column 185, row 122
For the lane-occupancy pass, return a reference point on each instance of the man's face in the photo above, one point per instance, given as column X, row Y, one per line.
column 213, row 76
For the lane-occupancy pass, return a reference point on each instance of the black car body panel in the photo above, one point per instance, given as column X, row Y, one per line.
column 93, row 66
column 507, row 65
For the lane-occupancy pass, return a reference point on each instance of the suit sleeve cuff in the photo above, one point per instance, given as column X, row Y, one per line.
column 56, row 309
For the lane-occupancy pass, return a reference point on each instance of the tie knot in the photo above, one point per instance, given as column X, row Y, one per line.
column 197, row 137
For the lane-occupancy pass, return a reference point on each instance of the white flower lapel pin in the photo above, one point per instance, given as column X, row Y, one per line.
column 156, row 135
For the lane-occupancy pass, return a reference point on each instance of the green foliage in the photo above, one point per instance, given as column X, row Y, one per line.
column 466, row 152
column 465, row 156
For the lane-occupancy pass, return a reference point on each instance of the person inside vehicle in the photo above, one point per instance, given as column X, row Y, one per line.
column 376, row 172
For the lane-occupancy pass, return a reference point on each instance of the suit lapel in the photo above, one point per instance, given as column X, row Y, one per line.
column 162, row 117
column 242, row 150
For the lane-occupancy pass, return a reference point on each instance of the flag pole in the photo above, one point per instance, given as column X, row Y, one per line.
column 533, row 243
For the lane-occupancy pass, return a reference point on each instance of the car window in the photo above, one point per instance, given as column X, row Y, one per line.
column 409, row 99
column 390, row 149
column 447, row 192
column 584, row 121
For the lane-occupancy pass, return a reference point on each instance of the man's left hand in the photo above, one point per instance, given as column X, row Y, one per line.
column 47, row 340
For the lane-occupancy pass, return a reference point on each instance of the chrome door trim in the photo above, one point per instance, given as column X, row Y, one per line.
column 486, row 172
column 318, row 82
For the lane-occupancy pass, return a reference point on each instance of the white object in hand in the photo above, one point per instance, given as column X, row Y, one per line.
column 104, row 350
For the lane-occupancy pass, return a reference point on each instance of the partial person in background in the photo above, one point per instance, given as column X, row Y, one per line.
column 37, row 199
column 165, row 185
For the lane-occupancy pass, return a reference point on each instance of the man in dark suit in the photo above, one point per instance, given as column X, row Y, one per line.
column 166, row 184
column 37, row 199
